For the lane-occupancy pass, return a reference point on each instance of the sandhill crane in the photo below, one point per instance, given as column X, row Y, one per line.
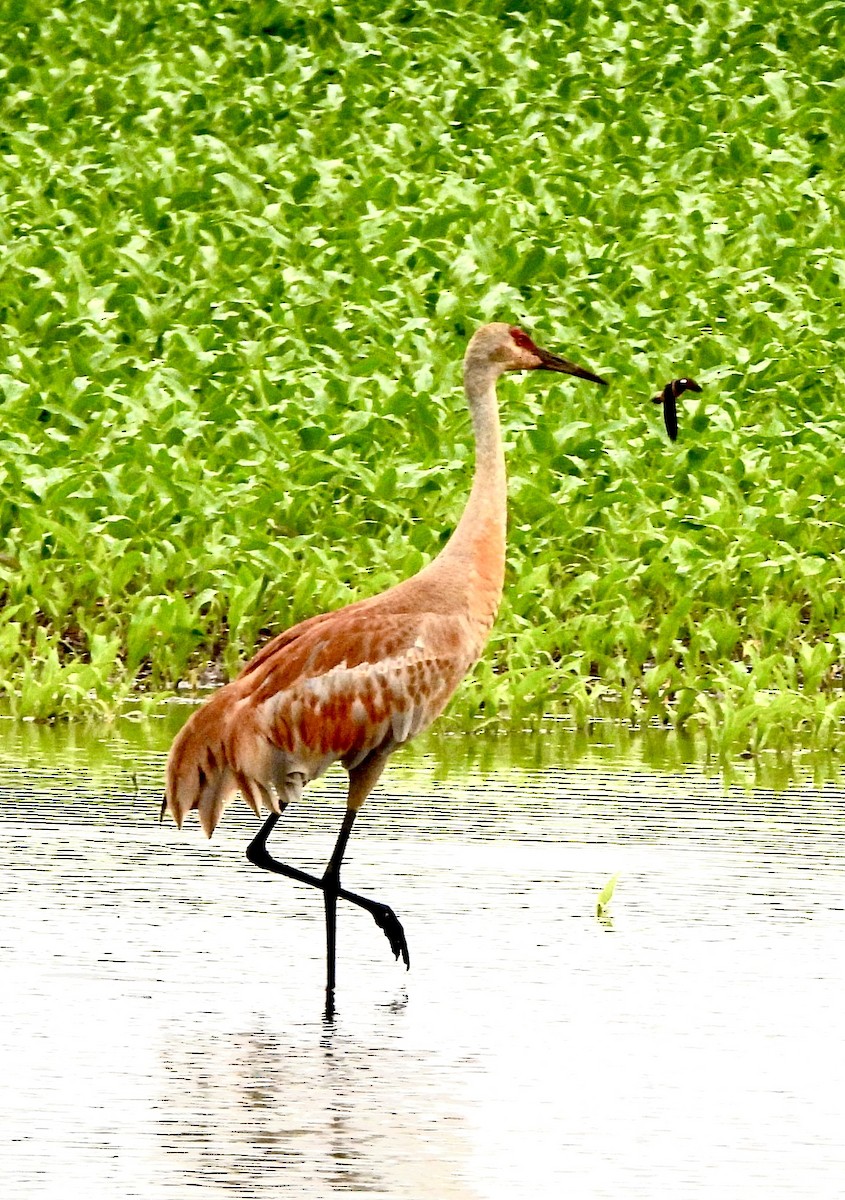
column 355, row 684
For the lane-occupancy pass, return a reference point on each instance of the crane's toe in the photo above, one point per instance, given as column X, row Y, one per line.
column 389, row 923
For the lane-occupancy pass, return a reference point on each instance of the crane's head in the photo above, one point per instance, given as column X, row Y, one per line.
column 500, row 347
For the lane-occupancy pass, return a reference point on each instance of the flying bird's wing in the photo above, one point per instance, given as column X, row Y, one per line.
column 668, row 398
column 670, row 412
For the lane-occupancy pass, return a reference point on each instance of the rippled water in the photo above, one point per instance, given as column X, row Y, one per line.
column 163, row 1026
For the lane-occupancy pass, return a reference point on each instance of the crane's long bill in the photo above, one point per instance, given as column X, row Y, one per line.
column 551, row 362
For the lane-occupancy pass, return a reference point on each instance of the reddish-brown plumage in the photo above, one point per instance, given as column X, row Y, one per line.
column 353, row 685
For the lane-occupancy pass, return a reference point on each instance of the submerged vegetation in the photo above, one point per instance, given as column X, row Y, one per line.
column 242, row 250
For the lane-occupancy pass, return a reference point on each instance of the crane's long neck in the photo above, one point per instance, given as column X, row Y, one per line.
column 477, row 547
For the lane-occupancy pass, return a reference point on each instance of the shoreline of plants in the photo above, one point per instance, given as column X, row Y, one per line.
column 737, row 720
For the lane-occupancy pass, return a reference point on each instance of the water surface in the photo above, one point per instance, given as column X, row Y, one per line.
column 163, row 1023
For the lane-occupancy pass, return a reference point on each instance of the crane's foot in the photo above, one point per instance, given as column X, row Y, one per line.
column 387, row 921
column 382, row 914
column 391, row 926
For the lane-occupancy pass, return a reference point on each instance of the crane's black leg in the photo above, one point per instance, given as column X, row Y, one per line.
column 331, row 890
column 382, row 914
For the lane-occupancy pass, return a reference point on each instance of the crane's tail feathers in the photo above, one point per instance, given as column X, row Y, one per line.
column 200, row 774
column 190, row 785
column 255, row 794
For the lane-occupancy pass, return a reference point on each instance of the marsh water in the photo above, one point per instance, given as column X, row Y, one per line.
column 162, row 1025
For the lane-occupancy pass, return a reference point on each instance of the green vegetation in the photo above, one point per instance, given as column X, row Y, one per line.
column 242, row 249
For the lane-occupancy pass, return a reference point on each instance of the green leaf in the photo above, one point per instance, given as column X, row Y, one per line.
column 605, row 896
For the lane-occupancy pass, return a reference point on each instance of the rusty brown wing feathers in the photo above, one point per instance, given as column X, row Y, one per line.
column 335, row 688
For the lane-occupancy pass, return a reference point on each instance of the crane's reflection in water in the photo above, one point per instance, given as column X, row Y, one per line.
column 313, row 1114
column 162, row 1025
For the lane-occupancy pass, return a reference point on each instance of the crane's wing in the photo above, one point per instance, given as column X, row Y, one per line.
column 349, row 684
column 337, row 686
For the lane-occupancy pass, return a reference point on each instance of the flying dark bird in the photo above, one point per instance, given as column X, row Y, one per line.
column 674, row 388
column 353, row 685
